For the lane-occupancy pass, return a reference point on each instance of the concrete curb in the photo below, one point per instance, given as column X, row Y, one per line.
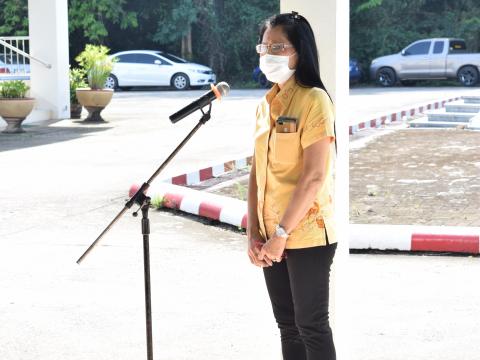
column 212, row 206
column 362, row 236
column 397, row 116
column 454, row 239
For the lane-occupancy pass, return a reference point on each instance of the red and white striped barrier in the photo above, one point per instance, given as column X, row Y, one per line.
column 397, row 116
column 198, row 176
column 415, row 238
column 216, row 207
column 231, row 211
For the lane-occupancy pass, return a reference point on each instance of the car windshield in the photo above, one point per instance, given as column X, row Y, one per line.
column 171, row 57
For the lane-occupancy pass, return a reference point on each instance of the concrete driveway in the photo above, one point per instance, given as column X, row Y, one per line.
column 61, row 184
column 369, row 102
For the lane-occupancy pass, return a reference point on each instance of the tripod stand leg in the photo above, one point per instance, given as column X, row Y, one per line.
column 144, row 201
column 146, row 266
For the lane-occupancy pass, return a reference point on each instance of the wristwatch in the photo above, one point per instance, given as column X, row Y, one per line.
column 280, row 231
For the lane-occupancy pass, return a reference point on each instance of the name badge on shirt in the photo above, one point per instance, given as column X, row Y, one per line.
column 286, row 124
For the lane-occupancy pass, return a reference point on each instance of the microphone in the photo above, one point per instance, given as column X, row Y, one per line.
column 217, row 92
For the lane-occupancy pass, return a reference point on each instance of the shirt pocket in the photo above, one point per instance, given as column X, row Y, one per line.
column 286, row 147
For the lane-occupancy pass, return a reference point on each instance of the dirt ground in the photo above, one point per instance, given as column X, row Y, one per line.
column 232, row 184
column 407, row 177
column 417, row 177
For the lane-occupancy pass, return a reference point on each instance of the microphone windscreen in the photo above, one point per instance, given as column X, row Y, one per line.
column 223, row 88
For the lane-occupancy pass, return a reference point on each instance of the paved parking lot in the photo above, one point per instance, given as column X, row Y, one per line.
column 414, row 307
column 367, row 103
column 209, row 302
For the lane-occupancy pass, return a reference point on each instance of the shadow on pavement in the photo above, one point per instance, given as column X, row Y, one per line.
column 37, row 135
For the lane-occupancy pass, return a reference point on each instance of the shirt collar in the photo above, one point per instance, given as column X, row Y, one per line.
column 284, row 95
column 279, row 99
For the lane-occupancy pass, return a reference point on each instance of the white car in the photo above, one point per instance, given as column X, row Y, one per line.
column 12, row 68
column 157, row 68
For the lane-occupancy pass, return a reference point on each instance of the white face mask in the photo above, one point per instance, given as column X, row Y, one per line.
column 275, row 68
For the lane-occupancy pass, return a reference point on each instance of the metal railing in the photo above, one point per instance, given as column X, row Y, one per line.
column 15, row 58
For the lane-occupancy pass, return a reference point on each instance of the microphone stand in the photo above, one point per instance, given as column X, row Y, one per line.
column 143, row 201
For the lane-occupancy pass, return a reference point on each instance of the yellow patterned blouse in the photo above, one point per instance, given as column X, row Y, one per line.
column 279, row 161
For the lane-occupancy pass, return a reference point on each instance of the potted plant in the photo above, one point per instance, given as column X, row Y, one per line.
column 77, row 80
column 14, row 105
column 96, row 63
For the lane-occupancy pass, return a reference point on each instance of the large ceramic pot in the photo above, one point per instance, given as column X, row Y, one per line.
column 14, row 111
column 94, row 101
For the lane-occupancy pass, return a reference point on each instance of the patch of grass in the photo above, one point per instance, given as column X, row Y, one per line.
column 157, row 202
column 241, row 191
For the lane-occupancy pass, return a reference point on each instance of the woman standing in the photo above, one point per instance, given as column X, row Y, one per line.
column 291, row 233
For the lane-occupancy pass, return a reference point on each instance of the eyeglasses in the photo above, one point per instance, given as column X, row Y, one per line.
column 274, row 48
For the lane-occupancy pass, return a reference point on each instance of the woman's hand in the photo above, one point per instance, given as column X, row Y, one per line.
column 255, row 243
column 273, row 249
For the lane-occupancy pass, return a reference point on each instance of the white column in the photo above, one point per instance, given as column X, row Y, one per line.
column 330, row 22
column 48, row 31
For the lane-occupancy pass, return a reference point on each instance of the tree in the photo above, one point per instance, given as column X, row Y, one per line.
column 13, row 18
column 88, row 21
column 218, row 33
column 92, row 16
column 225, row 35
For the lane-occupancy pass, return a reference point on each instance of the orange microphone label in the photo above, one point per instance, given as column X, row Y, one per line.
column 215, row 91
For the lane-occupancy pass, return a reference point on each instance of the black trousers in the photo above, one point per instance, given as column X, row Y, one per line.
column 298, row 287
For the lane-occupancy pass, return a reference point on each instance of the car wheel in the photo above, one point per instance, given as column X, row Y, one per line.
column 386, row 77
column 112, row 82
column 180, row 81
column 468, row 76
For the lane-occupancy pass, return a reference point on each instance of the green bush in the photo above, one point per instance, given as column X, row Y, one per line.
column 13, row 89
column 97, row 65
column 77, row 80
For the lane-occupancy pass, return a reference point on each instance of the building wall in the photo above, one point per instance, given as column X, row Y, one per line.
column 48, row 32
column 330, row 22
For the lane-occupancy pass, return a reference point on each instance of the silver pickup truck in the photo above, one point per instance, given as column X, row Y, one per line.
column 438, row 58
